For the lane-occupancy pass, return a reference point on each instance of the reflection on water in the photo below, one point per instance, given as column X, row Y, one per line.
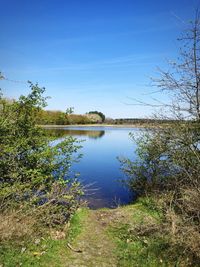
column 99, row 168
column 59, row 132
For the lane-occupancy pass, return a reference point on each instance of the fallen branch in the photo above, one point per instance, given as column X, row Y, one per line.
column 73, row 249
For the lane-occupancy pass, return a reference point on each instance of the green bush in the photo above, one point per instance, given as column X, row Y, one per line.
column 35, row 173
column 168, row 170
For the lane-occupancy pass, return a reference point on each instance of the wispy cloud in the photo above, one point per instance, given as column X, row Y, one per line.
column 110, row 35
column 109, row 63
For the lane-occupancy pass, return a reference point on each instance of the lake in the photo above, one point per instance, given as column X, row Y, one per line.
column 99, row 166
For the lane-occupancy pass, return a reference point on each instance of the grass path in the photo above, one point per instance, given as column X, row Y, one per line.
column 104, row 239
column 98, row 249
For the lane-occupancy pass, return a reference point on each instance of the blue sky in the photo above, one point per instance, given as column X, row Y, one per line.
column 90, row 54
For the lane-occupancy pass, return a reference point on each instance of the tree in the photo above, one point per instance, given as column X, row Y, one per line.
column 182, row 82
column 98, row 113
column 168, row 164
column 182, row 79
column 69, row 111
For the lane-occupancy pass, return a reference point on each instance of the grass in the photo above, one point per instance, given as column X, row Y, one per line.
column 126, row 227
column 42, row 250
column 76, row 224
column 147, row 248
column 31, row 254
column 139, row 251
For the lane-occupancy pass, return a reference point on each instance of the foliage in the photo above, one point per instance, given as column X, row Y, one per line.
column 69, row 110
column 35, row 173
column 78, row 119
column 168, row 164
column 56, row 117
column 98, row 113
column 52, row 117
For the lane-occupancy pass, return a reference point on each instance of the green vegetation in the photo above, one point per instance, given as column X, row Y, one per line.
column 38, row 190
column 46, row 252
column 125, row 236
column 101, row 115
column 167, row 168
column 49, row 117
column 140, row 240
column 48, row 248
column 76, row 223
column 146, row 122
column 52, row 117
column 35, row 174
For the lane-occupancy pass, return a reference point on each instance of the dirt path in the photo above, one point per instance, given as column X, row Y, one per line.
column 94, row 242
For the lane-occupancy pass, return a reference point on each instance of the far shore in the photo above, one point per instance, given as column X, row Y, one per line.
column 145, row 125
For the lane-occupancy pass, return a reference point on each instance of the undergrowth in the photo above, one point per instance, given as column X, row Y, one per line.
column 142, row 241
column 47, row 247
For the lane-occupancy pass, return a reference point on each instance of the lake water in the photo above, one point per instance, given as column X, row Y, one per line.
column 99, row 166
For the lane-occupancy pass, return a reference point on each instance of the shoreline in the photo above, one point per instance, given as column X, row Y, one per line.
column 100, row 125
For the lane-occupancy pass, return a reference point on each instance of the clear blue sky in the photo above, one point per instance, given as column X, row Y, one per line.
column 89, row 54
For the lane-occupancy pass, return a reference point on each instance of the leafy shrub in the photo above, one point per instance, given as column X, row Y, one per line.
column 35, row 173
column 168, row 169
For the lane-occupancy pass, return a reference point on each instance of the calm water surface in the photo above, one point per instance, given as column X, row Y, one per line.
column 99, row 166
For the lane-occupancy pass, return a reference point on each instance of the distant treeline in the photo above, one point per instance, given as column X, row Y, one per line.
column 48, row 117
column 56, row 117
column 142, row 121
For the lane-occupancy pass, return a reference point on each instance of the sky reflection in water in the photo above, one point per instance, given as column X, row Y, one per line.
column 99, row 165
